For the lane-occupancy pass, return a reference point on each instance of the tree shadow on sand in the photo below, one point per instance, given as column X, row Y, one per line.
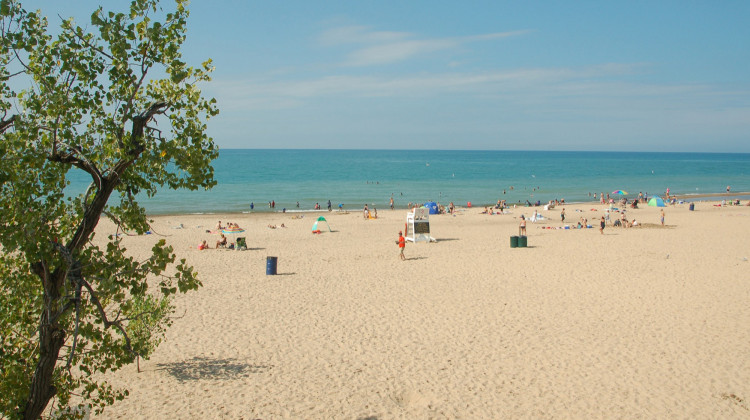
column 208, row 368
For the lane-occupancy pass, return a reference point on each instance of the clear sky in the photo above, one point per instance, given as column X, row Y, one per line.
column 488, row 75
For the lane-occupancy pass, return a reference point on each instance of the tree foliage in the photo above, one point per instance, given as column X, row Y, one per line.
column 114, row 100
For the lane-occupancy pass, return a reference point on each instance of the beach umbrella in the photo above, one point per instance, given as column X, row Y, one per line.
column 620, row 192
column 656, row 202
column 232, row 230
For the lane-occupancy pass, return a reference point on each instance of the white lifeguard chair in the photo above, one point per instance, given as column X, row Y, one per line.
column 418, row 226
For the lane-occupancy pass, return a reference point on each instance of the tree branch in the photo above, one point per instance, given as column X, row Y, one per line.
column 93, row 298
column 5, row 124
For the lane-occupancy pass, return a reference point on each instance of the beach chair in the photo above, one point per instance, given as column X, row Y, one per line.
column 241, row 244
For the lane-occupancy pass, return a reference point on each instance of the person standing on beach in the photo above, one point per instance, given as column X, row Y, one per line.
column 602, row 223
column 391, row 202
column 401, row 245
column 662, row 217
column 562, row 215
column 329, row 205
column 522, row 226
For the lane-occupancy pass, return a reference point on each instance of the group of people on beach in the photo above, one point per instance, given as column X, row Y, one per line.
column 368, row 214
column 222, row 241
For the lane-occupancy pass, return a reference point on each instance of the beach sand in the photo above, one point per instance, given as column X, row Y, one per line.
column 649, row 322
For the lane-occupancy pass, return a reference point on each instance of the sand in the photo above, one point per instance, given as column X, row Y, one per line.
column 649, row 322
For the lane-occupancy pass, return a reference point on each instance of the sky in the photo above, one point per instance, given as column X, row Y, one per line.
column 655, row 76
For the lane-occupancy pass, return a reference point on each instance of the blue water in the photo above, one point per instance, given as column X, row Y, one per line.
column 358, row 177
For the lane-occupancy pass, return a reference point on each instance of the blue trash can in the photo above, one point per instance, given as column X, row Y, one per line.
column 271, row 265
column 691, row 207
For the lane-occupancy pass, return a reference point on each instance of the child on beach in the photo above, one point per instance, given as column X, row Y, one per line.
column 522, row 226
column 401, row 245
column 601, row 226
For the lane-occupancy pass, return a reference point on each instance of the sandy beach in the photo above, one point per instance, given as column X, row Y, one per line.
column 644, row 322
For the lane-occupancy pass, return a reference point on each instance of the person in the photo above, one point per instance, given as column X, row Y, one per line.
column 522, row 226
column 203, row 245
column 374, row 212
column 252, row 205
column 366, row 212
column 222, row 242
column 602, row 223
column 562, row 215
column 391, row 202
column 401, row 245
column 298, row 204
column 623, row 219
column 728, row 188
column 662, row 217
column 329, row 205
column 219, row 227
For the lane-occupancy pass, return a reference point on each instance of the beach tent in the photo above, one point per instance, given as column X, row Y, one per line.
column 432, row 207
column 656, row 202
column 315, row 227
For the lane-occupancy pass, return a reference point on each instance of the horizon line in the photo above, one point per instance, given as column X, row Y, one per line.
column 482, row 150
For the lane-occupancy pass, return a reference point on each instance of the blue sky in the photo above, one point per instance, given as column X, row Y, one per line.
column 487, row 75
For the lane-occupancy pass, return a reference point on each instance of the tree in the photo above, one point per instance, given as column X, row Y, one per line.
column 90, row 101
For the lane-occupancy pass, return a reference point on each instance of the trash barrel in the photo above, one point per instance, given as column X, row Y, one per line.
column 691, row 207
column 522, row 241
column 271, row 265
column 514, row 241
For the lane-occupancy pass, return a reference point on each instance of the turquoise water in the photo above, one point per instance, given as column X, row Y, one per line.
column 356, row 177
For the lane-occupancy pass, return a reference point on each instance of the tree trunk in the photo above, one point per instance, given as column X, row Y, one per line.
column 51, row 340
column 51, row 334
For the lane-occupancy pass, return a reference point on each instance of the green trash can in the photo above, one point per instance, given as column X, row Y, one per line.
column 522, row 241
column 514, row 241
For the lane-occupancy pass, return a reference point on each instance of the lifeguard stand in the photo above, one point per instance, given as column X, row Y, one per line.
column 418, row 226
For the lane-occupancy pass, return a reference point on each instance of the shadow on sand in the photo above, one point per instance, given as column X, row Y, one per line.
column 210, row 368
